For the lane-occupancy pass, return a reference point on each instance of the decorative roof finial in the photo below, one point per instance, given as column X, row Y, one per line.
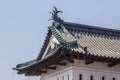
column 55, row 15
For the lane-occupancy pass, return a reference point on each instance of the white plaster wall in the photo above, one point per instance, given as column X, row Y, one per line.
column 58, row 75
column 96, row 73
column 51, row 44
column 96, row 69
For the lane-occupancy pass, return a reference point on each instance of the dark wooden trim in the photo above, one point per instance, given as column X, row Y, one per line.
column 35, row 74
column 67, row 56
column 27, row 74
column 62, row 63
column 69, row 59
column 43, row 71
column 52, row 67
column 114, row 63
column 59, row 58
column 89, row 61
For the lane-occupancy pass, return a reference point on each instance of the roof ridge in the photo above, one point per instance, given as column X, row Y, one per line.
column 90, row 28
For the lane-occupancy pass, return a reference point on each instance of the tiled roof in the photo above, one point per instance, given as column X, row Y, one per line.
column 92, row 29
column 67, row 40
column 25, row 65
column 98, row 42
column 75, row 40
column 63, row 37
column 83, row 39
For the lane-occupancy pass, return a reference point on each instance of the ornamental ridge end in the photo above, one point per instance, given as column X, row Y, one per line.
column 55, row 16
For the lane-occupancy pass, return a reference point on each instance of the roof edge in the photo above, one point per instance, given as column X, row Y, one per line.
column 46, row 41
column 90, row 28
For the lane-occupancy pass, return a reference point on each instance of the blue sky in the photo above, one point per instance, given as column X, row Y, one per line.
column 23, row 26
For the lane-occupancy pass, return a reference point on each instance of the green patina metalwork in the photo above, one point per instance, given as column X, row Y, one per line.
column 26, row 64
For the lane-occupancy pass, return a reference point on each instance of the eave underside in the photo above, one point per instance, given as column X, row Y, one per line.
column 58, row 58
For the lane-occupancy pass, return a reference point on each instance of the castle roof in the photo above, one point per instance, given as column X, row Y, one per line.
column 74, row 41
column 77, row 41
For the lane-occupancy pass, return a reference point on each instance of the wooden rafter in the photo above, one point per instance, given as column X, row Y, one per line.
column 62, row 63
column 60, row 59
column 52, row 67
column 89, row 61
column 69, row 59
column 67, row 56
column 43, row 71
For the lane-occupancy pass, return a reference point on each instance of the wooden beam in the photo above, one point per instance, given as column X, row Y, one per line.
column 69, row 59
column 28, row 74
column 34, row 74
column 79, row 55
column 89, row 61
column 43, row 71
column 67, row 56
column 37, row 73
column 114, row 63
column 52, row 67
column 62, row 63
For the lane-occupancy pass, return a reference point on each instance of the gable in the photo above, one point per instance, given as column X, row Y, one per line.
column 93, row 39
column 51, row 45
column 43, row 49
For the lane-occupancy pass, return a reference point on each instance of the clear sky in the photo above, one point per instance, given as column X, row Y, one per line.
column 23, row 26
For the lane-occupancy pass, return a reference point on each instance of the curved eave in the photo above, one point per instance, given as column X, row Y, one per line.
column 39, row 63
column 55, row 58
